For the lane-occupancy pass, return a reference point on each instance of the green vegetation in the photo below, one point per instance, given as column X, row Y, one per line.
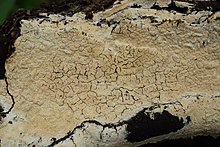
column 7, row 7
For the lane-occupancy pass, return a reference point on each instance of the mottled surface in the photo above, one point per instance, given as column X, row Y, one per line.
column 91, row 77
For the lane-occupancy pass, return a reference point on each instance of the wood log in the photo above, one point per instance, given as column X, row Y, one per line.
column 133, row 72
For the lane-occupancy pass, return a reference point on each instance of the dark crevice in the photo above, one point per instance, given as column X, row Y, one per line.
column 3, row 55
column 136, row 6
column 198, row 141
column 81, row 126
column 139, row 127
column 2, row 110
column 69, row 7
column 213, row 6
column 171, row 7
column 142, row 126
column 4, row 113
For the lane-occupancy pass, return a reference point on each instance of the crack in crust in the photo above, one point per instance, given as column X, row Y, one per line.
column 4, row 113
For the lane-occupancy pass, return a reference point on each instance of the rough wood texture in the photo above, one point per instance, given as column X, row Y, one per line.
column 135, row 73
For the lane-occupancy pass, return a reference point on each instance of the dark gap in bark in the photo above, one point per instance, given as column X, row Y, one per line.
column 213, row 6
column 3, row 55
column 2, row 115
column 145, row 125
column 136, row 6
column 198, row 141
column 171, row 6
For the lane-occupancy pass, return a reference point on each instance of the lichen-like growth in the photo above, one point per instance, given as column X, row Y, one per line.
column 94, row 77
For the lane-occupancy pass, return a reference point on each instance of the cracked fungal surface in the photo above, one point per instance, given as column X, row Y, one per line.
column 114, row 79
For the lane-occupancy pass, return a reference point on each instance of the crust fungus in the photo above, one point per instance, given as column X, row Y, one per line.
column 131, row 73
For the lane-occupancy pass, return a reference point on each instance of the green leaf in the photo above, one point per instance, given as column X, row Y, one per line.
column 5, row 8
column 29, row 4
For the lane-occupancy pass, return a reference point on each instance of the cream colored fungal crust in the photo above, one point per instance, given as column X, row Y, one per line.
column 62, row 74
